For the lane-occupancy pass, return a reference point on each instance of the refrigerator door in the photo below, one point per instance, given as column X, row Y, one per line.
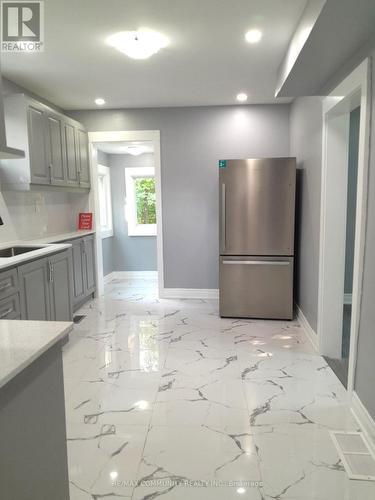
column 257, row 201
column 254, row 287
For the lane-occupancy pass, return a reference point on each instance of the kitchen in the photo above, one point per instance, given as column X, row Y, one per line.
column 131, row 377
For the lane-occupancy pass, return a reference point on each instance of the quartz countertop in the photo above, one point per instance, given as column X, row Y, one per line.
column 55, row 238
column 22, row 342
column 45, row 249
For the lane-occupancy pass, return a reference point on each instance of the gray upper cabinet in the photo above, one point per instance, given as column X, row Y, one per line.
column 55, row 150
column 83, row 158
column 61, row 300
column 34, row 290
column 36, row 121
column 71, row 158
column 56, row 147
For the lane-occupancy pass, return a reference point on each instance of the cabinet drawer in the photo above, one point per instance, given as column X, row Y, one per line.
column 8, row 283
column 10, row 307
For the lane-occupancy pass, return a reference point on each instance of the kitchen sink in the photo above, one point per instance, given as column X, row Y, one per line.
column 13, row 251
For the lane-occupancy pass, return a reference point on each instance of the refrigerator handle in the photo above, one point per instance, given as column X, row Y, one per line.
column 223, row 218
column 258, row 262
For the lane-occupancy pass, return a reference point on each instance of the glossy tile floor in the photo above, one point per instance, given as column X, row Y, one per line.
column 165, row 399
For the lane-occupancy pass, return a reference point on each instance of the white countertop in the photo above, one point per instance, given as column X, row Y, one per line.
column 22, row 342
column 45, row 249
column 55, row 238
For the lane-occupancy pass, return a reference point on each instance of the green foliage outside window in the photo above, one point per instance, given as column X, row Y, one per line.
column 146, row 200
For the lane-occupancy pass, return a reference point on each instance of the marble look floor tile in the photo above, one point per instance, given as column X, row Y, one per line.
column 166, row 399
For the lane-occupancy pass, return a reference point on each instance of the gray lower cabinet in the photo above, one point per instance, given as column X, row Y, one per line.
column 84, row 284
column 61, row 299
column 46, row 288
column 34, row 290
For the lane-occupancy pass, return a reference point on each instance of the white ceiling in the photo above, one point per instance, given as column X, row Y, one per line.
column 119, row 148
column 207, row 62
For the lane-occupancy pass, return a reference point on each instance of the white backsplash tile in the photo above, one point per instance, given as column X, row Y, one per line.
column 31, row 215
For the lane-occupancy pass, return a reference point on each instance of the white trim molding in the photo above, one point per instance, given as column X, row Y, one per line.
column 307, row 328
column 118, row 275
column 189, row 293
column 130, row 135
column 364, row 419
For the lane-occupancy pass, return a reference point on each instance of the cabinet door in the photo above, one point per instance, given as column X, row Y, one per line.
column 38, row 145
column 70, row 156
column 78, row 273
column 89, row 251
column 55, row 150
column 61, row 286
column 34, row 290
column 83, row 158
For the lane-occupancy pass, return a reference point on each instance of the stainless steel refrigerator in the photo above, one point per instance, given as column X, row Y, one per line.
column 257, row 213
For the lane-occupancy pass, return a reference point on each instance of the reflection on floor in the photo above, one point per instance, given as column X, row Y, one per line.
column 165, row 399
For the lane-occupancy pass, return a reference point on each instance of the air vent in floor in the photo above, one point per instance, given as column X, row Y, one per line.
column 355, row 454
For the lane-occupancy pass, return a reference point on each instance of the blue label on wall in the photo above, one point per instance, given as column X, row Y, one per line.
column 222, row 163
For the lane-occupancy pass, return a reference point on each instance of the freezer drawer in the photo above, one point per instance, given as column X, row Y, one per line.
column 256, row 287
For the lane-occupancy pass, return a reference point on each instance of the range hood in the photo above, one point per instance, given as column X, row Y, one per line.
column 6, row 152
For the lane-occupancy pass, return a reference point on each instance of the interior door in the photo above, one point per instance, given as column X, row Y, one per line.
column 257, row 201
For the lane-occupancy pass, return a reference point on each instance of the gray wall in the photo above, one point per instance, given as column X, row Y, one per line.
column 306, row 145
column 129, row 253
column 365, row 371
column 352, row 198
column 192, row 142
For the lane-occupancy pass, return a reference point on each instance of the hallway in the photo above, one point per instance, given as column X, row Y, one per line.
column 165, row 399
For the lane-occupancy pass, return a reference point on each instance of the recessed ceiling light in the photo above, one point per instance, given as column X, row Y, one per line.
column 253, row 36
column 242, row 97
column 241, row 491
column 140, row 44
column 99, row 101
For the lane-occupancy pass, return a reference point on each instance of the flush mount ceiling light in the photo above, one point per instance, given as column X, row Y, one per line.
column 253, row 36
column 99, row 101
column 135, row 150
column 242, row 97
column 140, row 44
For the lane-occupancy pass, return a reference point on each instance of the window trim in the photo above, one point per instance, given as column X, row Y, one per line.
column 134, row 229
column 105, row 172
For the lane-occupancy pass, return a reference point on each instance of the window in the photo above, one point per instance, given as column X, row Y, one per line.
column 140, row 208
column 105, row 202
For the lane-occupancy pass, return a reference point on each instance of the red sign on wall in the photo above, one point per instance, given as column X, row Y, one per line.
column 85, row 220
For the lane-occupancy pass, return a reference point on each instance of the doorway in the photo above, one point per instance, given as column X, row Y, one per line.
column 343, row 216
column 127, row 202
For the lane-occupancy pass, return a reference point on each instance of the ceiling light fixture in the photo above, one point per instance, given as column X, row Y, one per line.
column 253, row 36
column 99, row 101
column 242, row 97
column 140, row 44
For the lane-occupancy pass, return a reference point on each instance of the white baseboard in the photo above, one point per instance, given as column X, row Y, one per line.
column 364, row 419
column 189, row 293
column 310, row 332
column 347, row 298
column 118, row 275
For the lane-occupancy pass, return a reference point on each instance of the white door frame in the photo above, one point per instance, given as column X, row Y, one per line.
column 352, row 92
column 119, row 136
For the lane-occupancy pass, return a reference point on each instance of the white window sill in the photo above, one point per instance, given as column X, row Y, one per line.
column 106, row 234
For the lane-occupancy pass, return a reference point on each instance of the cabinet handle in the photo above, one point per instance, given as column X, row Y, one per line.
column 79, row 177
column 6, row 312
column 4, row 287
column 50, row 171
column 50, row 266
column 223, row 218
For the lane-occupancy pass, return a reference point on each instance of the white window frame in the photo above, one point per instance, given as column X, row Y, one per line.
column 135, row 229
column 107, row 230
